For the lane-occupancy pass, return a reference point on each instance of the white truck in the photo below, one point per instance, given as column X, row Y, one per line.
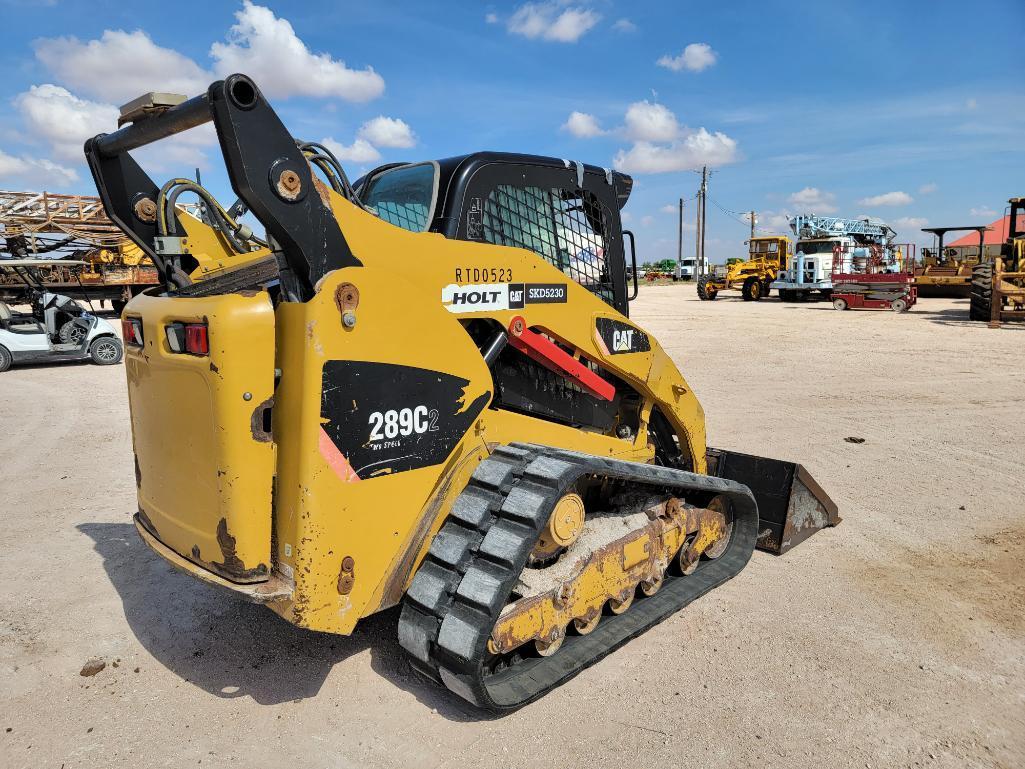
column 819, row 238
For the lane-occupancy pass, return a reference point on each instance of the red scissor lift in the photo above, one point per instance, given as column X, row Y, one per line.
column 866, row 277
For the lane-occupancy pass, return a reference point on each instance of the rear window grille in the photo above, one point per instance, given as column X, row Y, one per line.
column 568, row 228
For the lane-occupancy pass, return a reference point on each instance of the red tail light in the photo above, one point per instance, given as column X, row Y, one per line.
column 189, row 338
column 196, row 341
column 131, row 331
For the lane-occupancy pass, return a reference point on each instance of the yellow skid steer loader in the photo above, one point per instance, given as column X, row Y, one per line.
column 422, row 389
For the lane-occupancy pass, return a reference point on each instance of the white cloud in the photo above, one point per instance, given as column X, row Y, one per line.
column 692, row 151
column 120, row 66
column 267, row 48
column 971, row 104
column 772, row 222
column 387, row 132
column 927, row 189
column 624, row 25
column 983, row 212
column 695, row 58
column 552, row 21
column 35, row 172
column 58, row 117
column 910, row 223
column 669, row 208
column 647, row 221
column 360, row 151
column 661, row 144
column 582, row 125
column 896, row 198
column 491, row 18
column 653, row 122
column 814, row 201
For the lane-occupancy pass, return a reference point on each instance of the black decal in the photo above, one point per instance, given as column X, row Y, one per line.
column 546, row 293
column 386, row 418
column 621, row 337
column 516, row 296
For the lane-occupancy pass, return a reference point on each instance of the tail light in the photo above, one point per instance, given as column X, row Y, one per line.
column 131, row 331
column 190, row 338
column 196, row 341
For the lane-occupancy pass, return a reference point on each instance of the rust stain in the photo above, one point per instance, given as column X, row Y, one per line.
column 147, row 523
column 258, row 421
column 346, row 298
column 347, row 575
column 226, row 543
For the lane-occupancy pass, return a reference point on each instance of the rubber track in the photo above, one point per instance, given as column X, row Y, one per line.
column 473, row 563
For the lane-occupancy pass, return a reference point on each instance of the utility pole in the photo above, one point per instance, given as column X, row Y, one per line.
column 678, row 272
column 701, row 218
column 698, row 268
column 752, row 225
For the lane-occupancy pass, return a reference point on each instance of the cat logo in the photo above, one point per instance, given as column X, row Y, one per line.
column 617, row 338
column 622, row 341
column 516, row 296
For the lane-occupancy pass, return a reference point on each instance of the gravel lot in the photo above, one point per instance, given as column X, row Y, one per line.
column 894, row 640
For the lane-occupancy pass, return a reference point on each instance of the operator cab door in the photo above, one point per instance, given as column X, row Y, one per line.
column 544, row 210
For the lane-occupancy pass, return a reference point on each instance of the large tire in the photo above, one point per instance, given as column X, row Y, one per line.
column 5, row 359
column 981, row 306
column 705, row 293
column 106, row 351
column 786, row 295
column 751, row 290
column 839, row 304
column 766, row 287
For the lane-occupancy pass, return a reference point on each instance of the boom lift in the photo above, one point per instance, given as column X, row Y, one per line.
column 481, row 435
column 766, row 257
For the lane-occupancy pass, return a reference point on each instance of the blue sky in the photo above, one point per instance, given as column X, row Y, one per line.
column 911, row 111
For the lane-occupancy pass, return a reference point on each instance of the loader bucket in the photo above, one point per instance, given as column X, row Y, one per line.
column 791, row 505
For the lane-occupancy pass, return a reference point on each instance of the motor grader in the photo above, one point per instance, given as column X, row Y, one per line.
column 480, row 435
column 766, row 257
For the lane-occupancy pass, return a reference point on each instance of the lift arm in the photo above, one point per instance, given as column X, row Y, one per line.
column 266, row 168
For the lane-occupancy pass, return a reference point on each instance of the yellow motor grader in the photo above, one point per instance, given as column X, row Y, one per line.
column 767, row 256
column 427, row 393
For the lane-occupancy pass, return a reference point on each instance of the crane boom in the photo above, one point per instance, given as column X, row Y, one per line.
column 808, row 226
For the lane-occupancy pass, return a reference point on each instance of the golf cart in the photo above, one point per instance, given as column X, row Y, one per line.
column 57, row 329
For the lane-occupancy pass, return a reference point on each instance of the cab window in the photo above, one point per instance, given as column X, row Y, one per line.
column 404, row 196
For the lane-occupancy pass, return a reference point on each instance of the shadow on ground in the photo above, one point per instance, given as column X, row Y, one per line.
column 231, row 648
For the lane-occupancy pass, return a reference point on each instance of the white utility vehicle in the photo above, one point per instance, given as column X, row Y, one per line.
column 56, row 329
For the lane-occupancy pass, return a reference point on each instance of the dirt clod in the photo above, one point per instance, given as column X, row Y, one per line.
column 92, row 667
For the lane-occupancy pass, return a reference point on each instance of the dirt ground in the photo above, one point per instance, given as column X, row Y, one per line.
column 894, row 640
